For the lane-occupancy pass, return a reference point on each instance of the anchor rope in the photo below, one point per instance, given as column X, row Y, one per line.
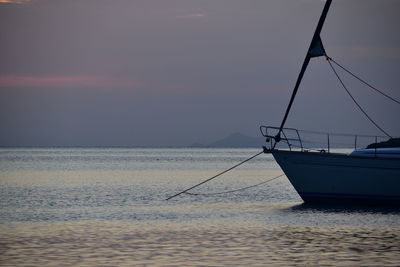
column 355, row 101
column 215, row 176
column 235, row 190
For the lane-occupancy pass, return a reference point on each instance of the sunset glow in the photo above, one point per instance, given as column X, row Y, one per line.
column 65, row 81
column 14, row 1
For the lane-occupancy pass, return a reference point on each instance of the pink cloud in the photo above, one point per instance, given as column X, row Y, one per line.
column 14, row 1
column 191, row 16
column 66, row 81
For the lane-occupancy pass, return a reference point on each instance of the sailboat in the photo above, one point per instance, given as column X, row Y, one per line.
column 369, row 175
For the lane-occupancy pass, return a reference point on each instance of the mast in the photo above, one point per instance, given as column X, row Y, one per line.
column 316, row 49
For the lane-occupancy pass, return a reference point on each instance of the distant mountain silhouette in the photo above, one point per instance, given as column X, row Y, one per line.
column 235, row 140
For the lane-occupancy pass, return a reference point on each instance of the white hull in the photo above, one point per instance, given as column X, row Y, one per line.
column 326, row 177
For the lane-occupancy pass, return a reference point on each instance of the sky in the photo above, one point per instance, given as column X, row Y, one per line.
column 175, row 72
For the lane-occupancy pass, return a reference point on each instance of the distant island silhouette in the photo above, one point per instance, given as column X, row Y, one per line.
column 235, row 140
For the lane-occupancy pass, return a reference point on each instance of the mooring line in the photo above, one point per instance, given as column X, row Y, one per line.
column 235, row 190
column 215, row 176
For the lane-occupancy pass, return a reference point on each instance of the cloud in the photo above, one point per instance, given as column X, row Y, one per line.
column 191, row 16
column 14, row 1
column 67, row 81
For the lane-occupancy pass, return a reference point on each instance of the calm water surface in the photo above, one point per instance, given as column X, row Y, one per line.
column 106, row 207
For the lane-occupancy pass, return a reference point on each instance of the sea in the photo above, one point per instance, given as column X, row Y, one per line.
column 108, row 207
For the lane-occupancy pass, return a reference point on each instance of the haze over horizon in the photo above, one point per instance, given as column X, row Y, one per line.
column 177, row 72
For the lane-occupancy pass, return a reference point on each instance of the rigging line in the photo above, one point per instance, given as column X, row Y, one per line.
column 361, row 80
column 215, row 176
column 236, row 190
column 358, row 105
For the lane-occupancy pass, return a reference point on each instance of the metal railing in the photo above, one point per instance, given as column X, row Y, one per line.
column 296, row 139
column 269, row 132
